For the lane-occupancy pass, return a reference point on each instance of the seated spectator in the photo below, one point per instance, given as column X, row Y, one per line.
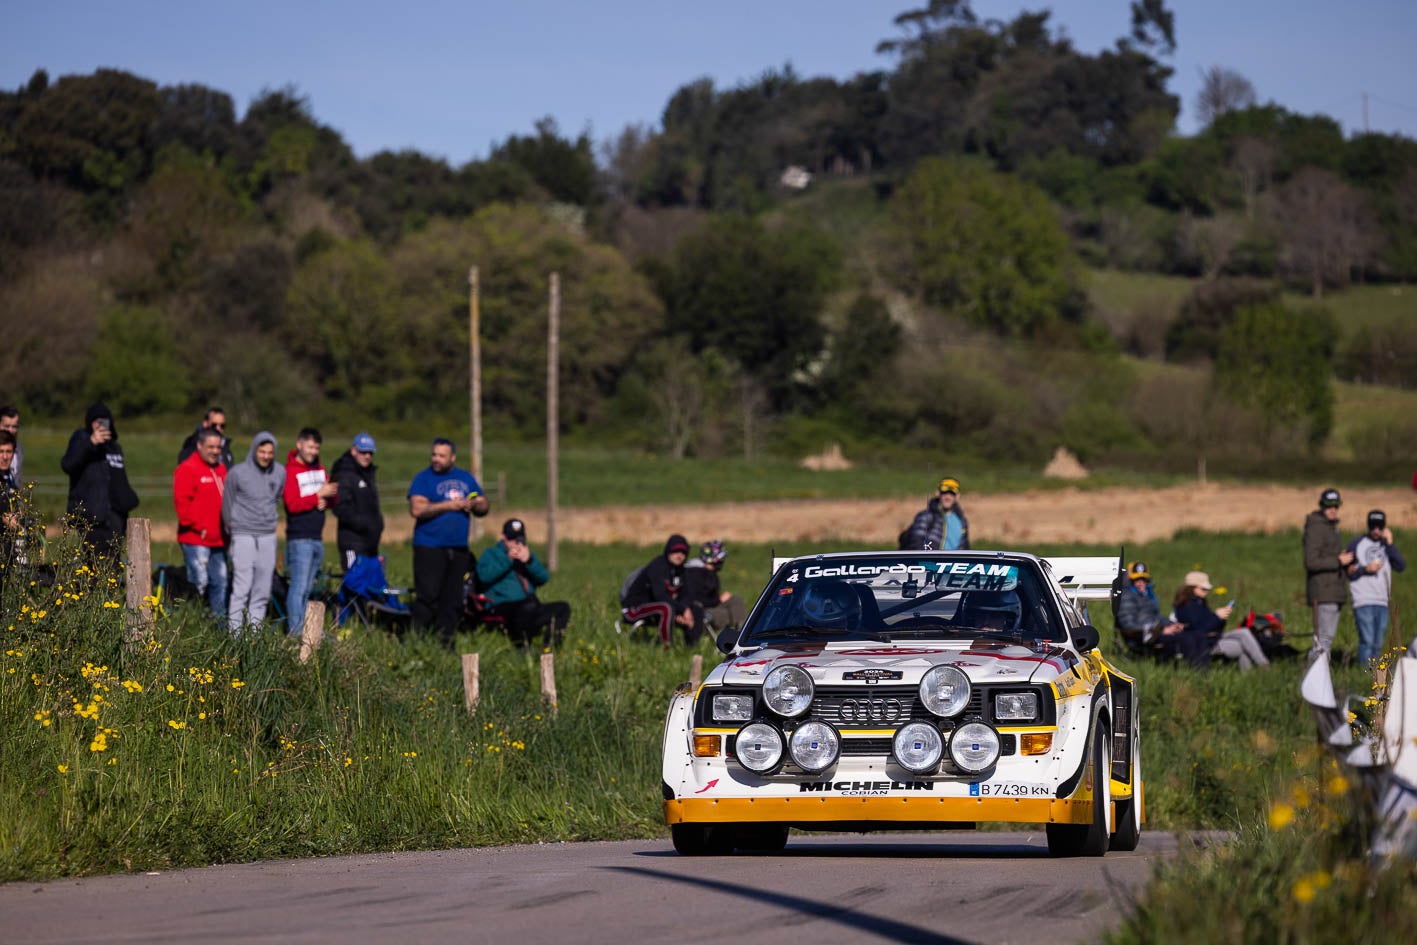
column 509, row 573
column 656, row 591
column 721, row 609
column 1193, row 611
column 1142, row 626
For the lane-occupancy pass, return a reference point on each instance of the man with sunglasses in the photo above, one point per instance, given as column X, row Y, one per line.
column 361, row 523
column 215, row 419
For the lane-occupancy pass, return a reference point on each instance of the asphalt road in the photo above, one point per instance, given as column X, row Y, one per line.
column 946, row 887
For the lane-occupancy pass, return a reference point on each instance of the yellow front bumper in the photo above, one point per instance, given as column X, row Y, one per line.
column 883, row 809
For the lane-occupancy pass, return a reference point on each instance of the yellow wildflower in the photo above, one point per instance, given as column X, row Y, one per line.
column 132, row 685
column 237, row 684
column 1337, row 785
column 201, row 715
column 63, row 769
column 174, row 724
column 111, row 605
column 1281, row 815
column 99, row 743
column 171, row 687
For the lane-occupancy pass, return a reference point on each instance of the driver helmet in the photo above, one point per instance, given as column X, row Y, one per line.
column 711, row 552
column 831, row 604
column 992, row 610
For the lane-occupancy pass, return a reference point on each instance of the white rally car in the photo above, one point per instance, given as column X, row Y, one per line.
column 909, row 690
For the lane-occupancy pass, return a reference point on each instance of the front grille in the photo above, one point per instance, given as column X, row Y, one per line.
column 879, row 706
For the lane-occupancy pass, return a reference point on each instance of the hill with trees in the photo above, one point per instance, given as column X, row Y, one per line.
column 932, row 287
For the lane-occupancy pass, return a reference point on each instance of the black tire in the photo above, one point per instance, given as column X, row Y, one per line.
column 1127, row 834
column 1088, row 839
column 761, row 838
column 702, row 839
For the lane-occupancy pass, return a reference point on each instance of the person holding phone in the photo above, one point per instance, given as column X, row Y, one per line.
column 509, row 573
column 100, row 496
column 1192, row 610
column 442, row 500
column 308, row 493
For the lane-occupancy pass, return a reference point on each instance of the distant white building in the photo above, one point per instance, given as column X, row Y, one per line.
column 796, row 177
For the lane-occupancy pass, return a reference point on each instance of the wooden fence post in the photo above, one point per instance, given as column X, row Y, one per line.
column 548, row 679
column 139, row 579
column 696, row 671
column 312, row 631
column 470, row 681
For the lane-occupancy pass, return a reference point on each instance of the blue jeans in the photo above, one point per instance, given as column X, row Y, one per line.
column 1372, row 631
column 206, row 569
column 303, row 557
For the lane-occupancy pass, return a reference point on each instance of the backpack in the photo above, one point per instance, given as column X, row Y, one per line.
column 1268, row 629
column 631, row 582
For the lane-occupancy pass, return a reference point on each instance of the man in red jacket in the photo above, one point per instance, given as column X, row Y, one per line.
column 197, row 487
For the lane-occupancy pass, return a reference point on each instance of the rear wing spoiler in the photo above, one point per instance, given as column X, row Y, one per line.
column 1085, row 578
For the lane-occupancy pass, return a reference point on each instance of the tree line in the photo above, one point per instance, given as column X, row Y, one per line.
column 160, row 252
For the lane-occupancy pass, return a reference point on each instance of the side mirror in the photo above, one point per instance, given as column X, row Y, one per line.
column 727, row 639
column 1086, row 638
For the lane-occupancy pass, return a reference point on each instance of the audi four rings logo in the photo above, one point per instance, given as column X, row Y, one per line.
column 872, row 710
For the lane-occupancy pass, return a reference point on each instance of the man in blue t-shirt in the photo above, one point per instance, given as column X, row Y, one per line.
column 442, row 500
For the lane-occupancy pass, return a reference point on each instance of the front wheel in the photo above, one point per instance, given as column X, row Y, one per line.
column 1088, row 839
column 702, row 839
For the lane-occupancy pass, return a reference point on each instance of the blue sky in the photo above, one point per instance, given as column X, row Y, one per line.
column 451, row 78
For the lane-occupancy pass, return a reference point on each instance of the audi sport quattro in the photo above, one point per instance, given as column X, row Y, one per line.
column 910, row 690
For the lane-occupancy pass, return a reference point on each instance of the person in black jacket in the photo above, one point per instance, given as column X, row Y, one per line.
column 361, row 523
column 657, row 591
column 100, row 497
column 215, row 419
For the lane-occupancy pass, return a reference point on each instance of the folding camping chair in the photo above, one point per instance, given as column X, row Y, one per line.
column 365, row 595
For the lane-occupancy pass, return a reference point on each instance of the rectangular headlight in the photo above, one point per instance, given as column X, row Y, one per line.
column 1016, row 706
column 732, row 708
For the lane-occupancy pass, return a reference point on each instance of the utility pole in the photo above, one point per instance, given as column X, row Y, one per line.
column 553, row 345
column 1365, row 113
column 474, row 394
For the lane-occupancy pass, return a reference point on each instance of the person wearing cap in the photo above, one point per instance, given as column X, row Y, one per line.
column 509, row 573
column 657, row 591
column 941, row 525
column 1142, row 626
column 1193, row 611
column 1375, row 558
column 361, row 523
column 442, row 500
column 1326, row 564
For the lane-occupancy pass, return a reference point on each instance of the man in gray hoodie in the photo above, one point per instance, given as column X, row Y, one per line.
column 249, row 512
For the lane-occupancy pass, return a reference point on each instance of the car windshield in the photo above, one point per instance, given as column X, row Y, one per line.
column 905, row 597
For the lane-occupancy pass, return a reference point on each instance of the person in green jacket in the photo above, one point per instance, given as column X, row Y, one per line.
column 1325, row 566
column 508, row 574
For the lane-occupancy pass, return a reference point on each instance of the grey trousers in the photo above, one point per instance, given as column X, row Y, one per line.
column 253, row 563
column 731, row 613
column 1325, row 627
column 1240, row 644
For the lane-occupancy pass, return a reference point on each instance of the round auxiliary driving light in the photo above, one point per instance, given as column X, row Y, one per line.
column 758, row 747
column 918, row 747
column 945, row 691
column 814, row 747
column 788, row 691
column 974, row 747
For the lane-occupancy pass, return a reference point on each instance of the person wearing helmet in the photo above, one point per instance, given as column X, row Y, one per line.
column 941, row 525
column 991, row 610
column 701, row 578
column 831, row 605
column 1326, row 564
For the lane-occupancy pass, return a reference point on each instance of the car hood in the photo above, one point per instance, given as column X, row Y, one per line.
column 866, row 663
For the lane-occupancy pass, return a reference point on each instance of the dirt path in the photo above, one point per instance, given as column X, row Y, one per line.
column 1101, row 515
